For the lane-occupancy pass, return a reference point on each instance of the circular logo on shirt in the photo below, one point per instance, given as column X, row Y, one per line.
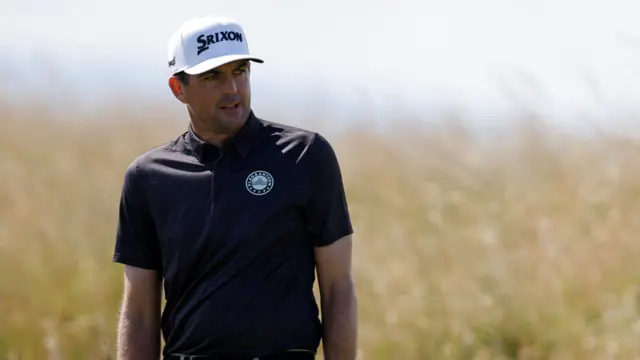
column 259, row 182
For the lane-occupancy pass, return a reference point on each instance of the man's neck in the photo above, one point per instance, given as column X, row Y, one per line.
column 211, row 135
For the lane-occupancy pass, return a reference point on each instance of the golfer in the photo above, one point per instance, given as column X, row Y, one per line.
column 233, row 218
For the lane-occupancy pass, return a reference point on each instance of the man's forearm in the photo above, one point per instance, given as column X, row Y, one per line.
column 340, row 318
column 137, row 340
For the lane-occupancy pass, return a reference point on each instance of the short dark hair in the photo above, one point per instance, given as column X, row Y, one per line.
column 183, row 77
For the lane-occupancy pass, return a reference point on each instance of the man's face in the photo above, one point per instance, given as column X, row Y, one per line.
column 219, row 98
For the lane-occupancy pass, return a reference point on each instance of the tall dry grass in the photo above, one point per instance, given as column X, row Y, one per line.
column 523, row 247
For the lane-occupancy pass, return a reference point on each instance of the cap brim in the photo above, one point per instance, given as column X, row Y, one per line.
column 219, row 61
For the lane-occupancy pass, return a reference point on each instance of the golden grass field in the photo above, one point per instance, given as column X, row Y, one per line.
column 523, row 249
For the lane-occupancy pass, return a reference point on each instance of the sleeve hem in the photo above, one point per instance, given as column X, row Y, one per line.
column 334, row 237
column 137, row 262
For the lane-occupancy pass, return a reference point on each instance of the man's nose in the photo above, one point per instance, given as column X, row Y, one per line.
column 230, row 85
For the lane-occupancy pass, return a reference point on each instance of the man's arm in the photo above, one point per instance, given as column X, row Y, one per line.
column 329, row 224
column 139, row 321
column 137, row 247
column 338, row 300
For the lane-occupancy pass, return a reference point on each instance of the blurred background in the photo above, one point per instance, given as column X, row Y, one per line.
column 489, row 152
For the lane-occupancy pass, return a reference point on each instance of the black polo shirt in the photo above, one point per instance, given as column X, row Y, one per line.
column 232, row 232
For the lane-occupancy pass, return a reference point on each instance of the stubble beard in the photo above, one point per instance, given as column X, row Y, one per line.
column 225, row 124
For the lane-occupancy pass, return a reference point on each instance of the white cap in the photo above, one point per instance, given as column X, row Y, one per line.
column 206, row 42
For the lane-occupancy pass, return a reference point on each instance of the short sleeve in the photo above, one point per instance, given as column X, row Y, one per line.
column 136, row 242
column 328, row 217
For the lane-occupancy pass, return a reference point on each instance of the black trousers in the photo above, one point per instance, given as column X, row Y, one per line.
column 288, row 355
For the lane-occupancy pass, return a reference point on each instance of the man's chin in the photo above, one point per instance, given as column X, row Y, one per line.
column 232, row 118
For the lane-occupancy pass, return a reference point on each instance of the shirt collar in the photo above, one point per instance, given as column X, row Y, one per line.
column 242, row 141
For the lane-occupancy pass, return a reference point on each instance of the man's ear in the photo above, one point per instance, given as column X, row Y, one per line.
column 177, row 88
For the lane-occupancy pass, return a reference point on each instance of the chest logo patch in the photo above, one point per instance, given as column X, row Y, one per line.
column 259, row 182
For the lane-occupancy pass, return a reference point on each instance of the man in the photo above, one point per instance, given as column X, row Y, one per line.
column 233, row 217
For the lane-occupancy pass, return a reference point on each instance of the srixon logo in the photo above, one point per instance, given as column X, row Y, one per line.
column 205, row 40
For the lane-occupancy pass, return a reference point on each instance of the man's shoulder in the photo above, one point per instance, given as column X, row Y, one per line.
column 305, row 142
column 279, row 128
column 144, row 161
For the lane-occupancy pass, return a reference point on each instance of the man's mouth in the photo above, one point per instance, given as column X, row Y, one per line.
column 230, row 107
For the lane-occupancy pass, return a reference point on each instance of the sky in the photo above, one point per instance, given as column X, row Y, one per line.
column 563, row 58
